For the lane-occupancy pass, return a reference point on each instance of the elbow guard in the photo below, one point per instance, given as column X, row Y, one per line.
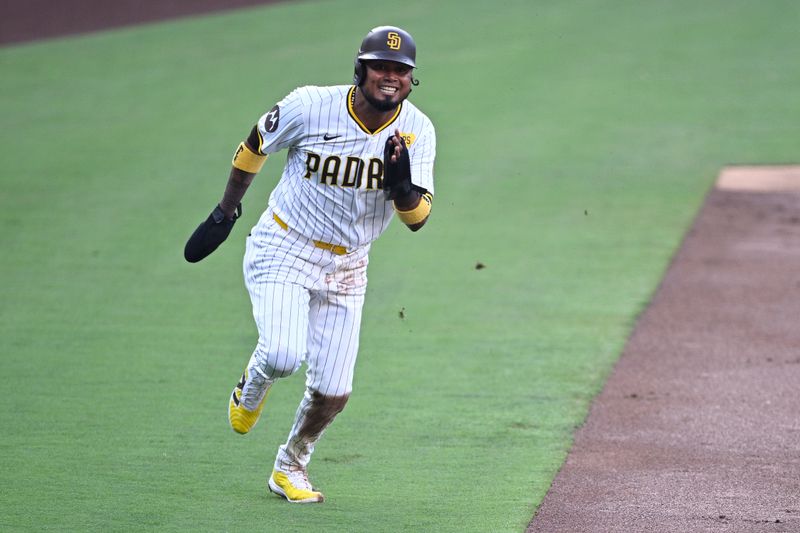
column 417, row 214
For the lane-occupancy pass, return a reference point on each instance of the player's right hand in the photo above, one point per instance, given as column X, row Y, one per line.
column 210, row 234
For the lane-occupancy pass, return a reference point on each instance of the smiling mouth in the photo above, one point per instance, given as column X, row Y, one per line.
column 386, row 89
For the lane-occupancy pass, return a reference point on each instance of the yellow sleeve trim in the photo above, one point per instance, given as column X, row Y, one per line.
column 246, row 160
column 418, row 214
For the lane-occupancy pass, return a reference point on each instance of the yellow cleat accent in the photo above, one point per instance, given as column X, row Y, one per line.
column 242, row 420
column 294, row 486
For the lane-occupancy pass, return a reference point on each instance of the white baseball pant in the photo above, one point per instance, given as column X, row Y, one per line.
column 307, row 304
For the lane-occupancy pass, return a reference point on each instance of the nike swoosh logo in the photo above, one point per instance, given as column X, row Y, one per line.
column 330, row 137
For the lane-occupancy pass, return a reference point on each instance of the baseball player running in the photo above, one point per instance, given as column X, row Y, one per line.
column 357, row 154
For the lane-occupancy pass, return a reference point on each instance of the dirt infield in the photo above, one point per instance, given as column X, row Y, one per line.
column 698, row 427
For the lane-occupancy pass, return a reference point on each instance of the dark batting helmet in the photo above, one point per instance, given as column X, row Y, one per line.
column 387, row 43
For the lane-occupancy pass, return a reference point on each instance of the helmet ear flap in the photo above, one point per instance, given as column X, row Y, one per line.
column 358, row 72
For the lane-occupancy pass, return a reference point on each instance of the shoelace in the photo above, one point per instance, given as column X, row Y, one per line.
column 299, row 479
column 255, row 388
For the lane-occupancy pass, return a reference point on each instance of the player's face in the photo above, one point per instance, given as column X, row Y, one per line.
column 386, row 84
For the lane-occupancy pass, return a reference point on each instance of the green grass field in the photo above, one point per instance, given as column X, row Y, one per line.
column 576, row 142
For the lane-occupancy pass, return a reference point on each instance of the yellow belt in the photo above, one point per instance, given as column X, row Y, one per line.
column 335, row 248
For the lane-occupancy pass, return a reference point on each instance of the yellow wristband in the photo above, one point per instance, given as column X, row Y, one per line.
column 418, row 214
column 245, row 159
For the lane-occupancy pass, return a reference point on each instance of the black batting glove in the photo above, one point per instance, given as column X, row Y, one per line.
column 397, row 174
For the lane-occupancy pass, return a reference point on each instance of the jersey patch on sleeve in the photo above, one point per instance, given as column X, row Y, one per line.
column 271, row 119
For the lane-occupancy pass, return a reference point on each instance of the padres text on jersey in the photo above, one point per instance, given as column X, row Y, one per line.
column 331, row 187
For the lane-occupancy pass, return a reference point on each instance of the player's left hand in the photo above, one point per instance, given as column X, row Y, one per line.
column 210, row 234
column 396, row 167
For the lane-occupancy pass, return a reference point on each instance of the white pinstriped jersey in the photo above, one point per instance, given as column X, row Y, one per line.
column 331, row 187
